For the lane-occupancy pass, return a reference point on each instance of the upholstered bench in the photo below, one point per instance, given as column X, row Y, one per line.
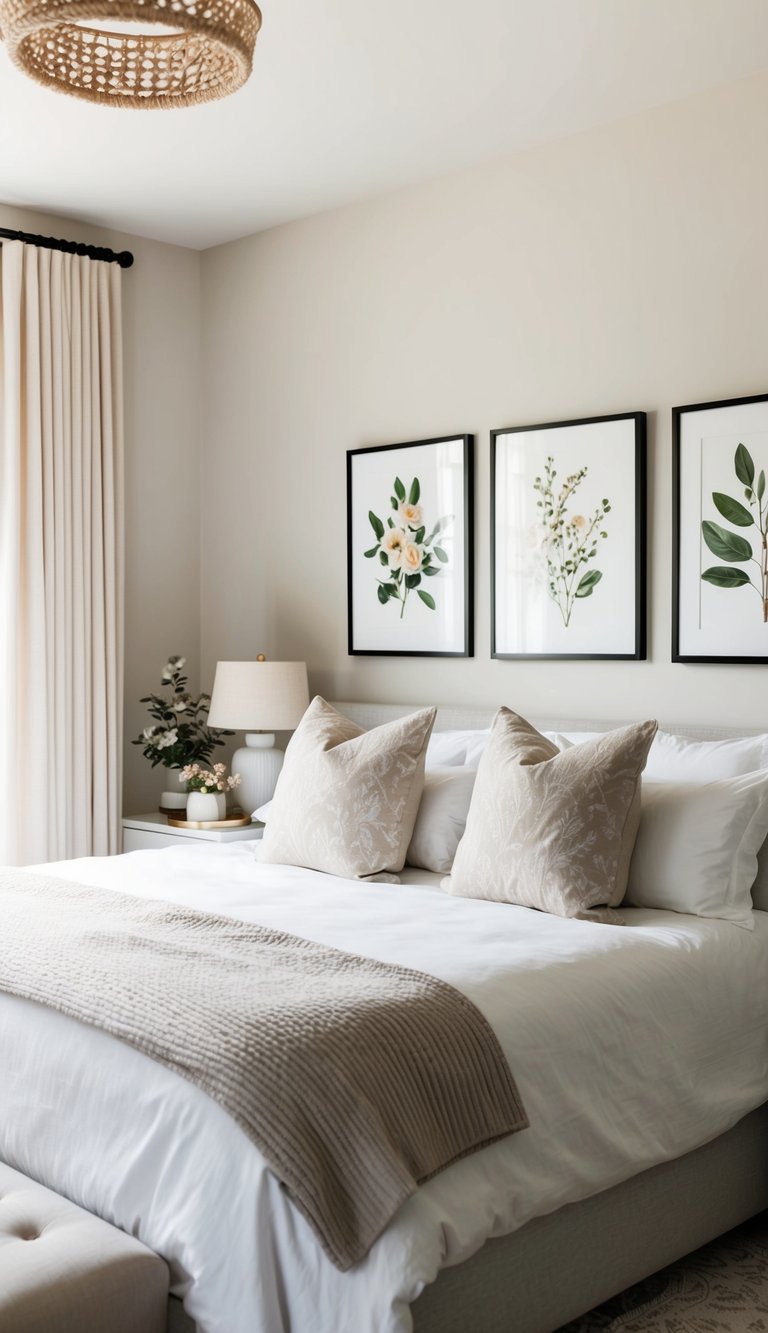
column 65, row 1271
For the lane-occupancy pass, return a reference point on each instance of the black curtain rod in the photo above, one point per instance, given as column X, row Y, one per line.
column 124, row 258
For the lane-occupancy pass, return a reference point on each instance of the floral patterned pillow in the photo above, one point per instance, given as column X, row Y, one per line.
column 346, row 799
column 549, row 829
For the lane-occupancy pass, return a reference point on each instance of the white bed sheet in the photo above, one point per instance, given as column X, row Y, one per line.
column 630, row 1046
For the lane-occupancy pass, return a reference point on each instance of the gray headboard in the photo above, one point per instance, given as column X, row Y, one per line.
column 459, row 717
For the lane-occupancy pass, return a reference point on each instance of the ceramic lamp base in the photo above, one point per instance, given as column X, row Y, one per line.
column 259, row 764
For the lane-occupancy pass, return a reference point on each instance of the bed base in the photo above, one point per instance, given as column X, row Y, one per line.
column 558, row 1267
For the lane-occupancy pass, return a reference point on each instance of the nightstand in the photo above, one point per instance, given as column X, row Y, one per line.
column 153, row 831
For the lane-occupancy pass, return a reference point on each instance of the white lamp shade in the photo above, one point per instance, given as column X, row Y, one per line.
column 259, row 696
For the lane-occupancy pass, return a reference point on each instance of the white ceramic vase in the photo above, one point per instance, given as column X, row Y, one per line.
column 206, row 807
column 173, row 803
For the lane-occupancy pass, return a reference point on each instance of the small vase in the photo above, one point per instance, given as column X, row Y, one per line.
column 173, row 803
column 206, row 807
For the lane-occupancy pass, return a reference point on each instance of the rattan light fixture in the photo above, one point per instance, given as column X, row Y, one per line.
column 205, row 50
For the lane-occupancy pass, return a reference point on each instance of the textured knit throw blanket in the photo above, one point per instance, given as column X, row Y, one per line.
column 356, row 1080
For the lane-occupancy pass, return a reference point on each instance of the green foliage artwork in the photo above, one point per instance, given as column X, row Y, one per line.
column 568, row 543
column 404, row 550
column 734, row 548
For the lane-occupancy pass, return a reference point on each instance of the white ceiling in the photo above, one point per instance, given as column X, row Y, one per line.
column 351, row 98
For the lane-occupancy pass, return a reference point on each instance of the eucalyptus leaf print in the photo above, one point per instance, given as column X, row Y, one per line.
column 405, row 549
column 738, row 548
column 569, row 542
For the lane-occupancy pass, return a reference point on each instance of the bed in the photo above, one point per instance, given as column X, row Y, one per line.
column 641, row 1055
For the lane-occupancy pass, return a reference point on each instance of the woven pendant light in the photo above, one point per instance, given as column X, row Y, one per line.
column 208, row 54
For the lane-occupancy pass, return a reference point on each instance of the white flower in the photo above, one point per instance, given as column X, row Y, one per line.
column 148, row 733
column 393, row 544
column 173, row 664
column 412, row 558
column 409, row 515
column 166, row 739
column 180, row 705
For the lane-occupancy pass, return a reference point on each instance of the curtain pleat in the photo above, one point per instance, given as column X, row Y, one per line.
column 61, row 555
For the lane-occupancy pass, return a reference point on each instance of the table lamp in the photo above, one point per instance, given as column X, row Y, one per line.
column 259, row 698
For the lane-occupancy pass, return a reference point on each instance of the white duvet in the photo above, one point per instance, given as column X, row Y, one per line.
column 629, row 1046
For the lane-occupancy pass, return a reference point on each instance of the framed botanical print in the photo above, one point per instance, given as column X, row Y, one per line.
column 568, row 539
column 720, row 538
column 409, row 548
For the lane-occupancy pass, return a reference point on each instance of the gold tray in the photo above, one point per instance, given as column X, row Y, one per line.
column 239, row 821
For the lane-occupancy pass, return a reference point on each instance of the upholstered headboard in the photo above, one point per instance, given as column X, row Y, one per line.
column 457, row 717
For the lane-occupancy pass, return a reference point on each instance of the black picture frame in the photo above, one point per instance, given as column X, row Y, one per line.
column 611, row 432
column 705, row 440
column 442, row 468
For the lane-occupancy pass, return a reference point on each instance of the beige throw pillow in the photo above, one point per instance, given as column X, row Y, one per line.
column 553, row 830
column 346, row 799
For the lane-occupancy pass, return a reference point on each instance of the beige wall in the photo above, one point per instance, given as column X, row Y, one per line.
column 161, row 304
column 622, row 269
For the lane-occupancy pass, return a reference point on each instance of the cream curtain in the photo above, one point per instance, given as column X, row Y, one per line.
column 61, row 555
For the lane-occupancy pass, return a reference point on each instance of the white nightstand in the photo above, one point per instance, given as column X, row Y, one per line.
column 144, row 831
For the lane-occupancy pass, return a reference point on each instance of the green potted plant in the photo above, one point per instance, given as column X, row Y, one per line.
column 179, row 734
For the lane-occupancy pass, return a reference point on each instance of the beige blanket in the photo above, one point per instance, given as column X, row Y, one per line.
column 355, row 1079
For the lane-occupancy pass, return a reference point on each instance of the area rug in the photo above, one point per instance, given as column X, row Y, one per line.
column 722, row 1288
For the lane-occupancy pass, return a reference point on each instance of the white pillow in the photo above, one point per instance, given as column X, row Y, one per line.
column 678, row 759
column 565, row 739
column 442, row 817
column 262, row 814
column 697, row 846
column 454, row 748
column 465, row 748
